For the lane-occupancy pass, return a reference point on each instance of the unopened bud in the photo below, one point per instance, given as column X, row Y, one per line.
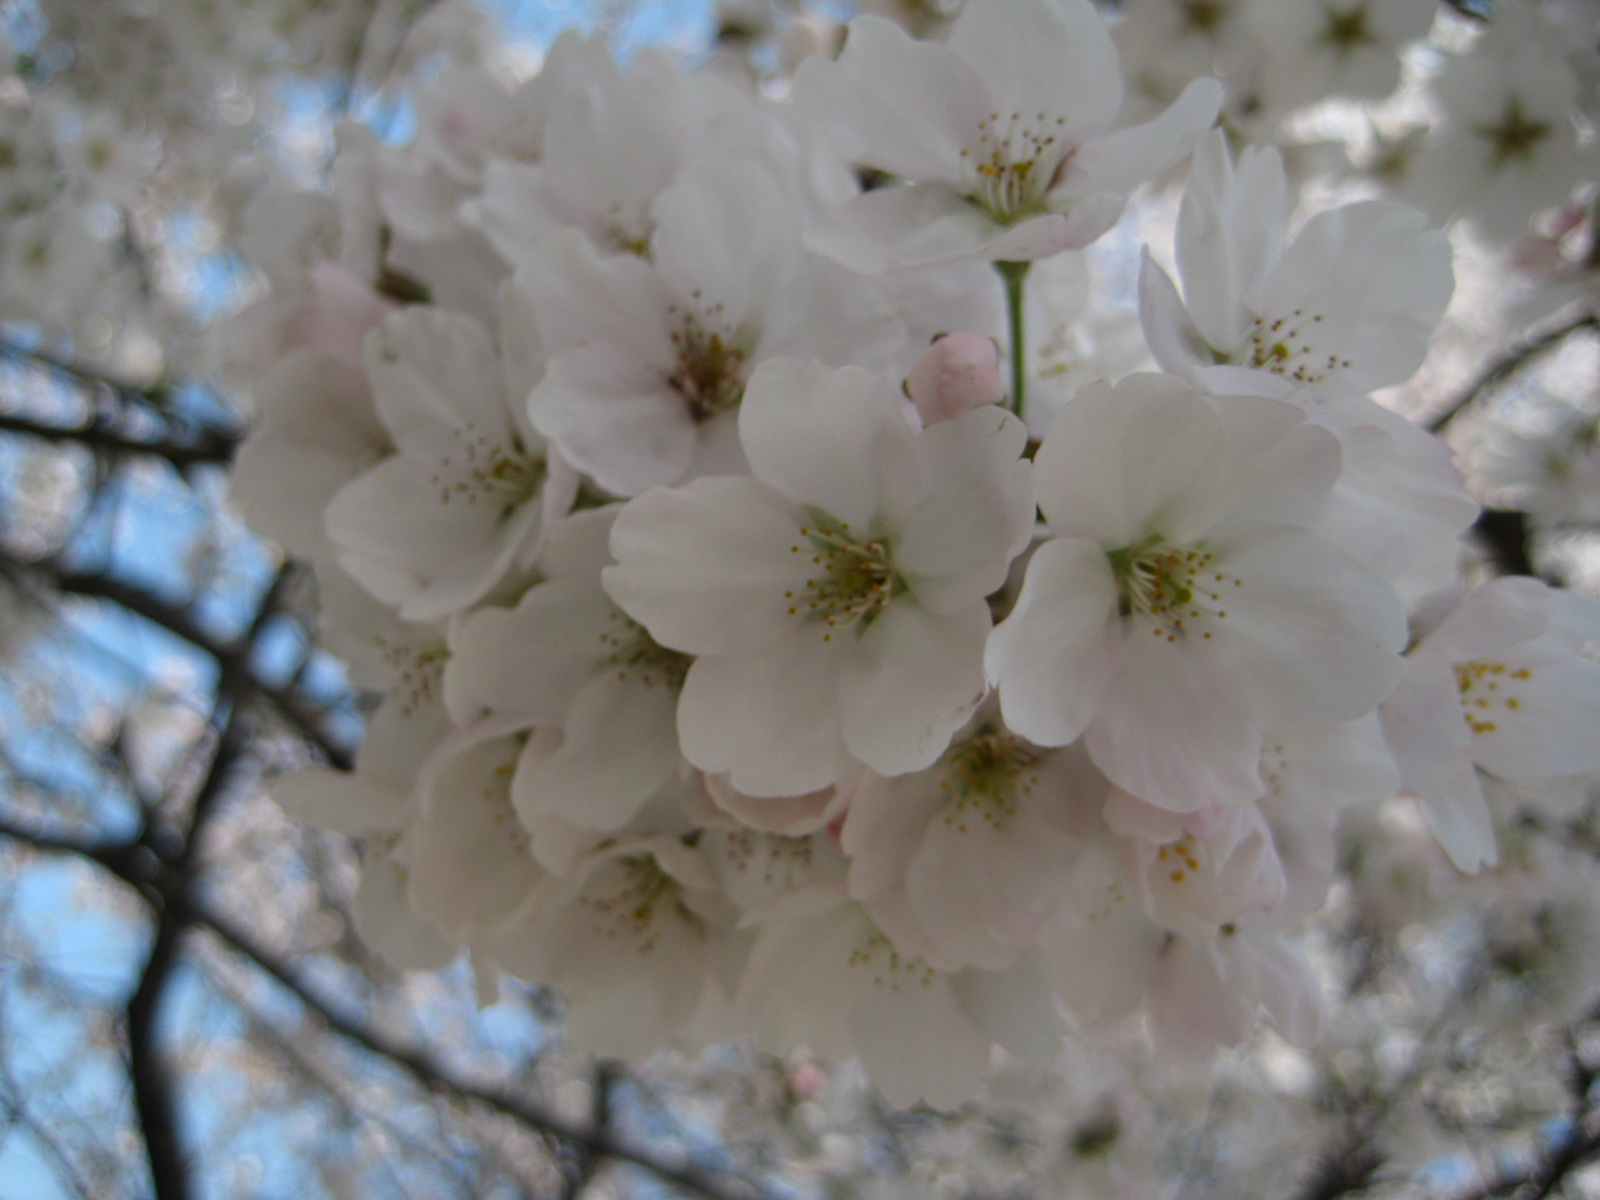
column 958, row 373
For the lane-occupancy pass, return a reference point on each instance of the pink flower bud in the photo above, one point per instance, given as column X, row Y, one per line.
column 337, row 315
column 958, row 373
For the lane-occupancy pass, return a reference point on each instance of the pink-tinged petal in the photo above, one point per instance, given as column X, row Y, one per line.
column 580, row 296
column 1178, row 727
column 771, row 721
column 1014, row 1007
column 1461, row 820
column 958, row 373
column 982, row 884
column 881, row 832
column 1054, row 57
column 1169, row 331
column 1193, row 1011
column 708, row 568
column 1281, row 980
column 895, row 1027
column 1119, row 162
column 1422, row 724
column 1147, row 455
column 1054, row 657
column 915, row 225
column 956, row 546
column 831, row 439
column 528, row 661
column 904, row 106
column 620, row 747
column 1320, row 636
column 909, row 681
column 614, row 417
column 1124, row 947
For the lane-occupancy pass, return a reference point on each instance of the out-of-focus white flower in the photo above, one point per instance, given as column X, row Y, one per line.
column 649, row 357
column 434, row 527
column 1313, row 49
column 1494, row 682
column 1506, row 147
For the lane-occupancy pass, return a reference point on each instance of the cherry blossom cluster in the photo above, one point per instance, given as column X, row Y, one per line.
column 801, row 614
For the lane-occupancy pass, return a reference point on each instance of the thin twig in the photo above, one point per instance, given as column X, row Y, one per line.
column 209, row 448
column 1510, row 363
column 598, row 1143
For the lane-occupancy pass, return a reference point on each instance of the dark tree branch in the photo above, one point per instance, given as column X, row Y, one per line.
column 231, row 657
column 1505, row 534
column 208, row 448
column 597, row 1143
column 1514, row 360
column 154, row 396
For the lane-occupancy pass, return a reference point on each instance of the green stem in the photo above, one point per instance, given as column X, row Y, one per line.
column 1013, row 273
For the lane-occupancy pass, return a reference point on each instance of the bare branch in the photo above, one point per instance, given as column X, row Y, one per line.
column 1514, row 360
column 595, row 1142
column 208, row 448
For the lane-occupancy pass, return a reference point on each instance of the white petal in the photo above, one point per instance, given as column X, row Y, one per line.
column 1230, row 233
column 1115, row 164
column 708, row 568
column 1056, row 57
column 1169, row 330
column 435, row 374
column 904, row 106
column 983, row 886
column 1178, row 728
column 531, row 660
column 771, row 721
column 830, row 439
column 956, row 546
column 615, row 417
column 1461, row 820
column 620, row 747
column 909, row 681
column 726, row 235
column 1379, row 281
column 1320, row 635
column 915, row 225
column 1119, row 463
column 580, row 296
column 1054, row 657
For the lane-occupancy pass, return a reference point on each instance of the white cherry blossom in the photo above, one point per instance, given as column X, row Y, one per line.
column 1348, row 304
column 1184, row 597
column 1495, row 682
column 434, row 527
column 1001, row 134
column 649, row 358
column 835, row 600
